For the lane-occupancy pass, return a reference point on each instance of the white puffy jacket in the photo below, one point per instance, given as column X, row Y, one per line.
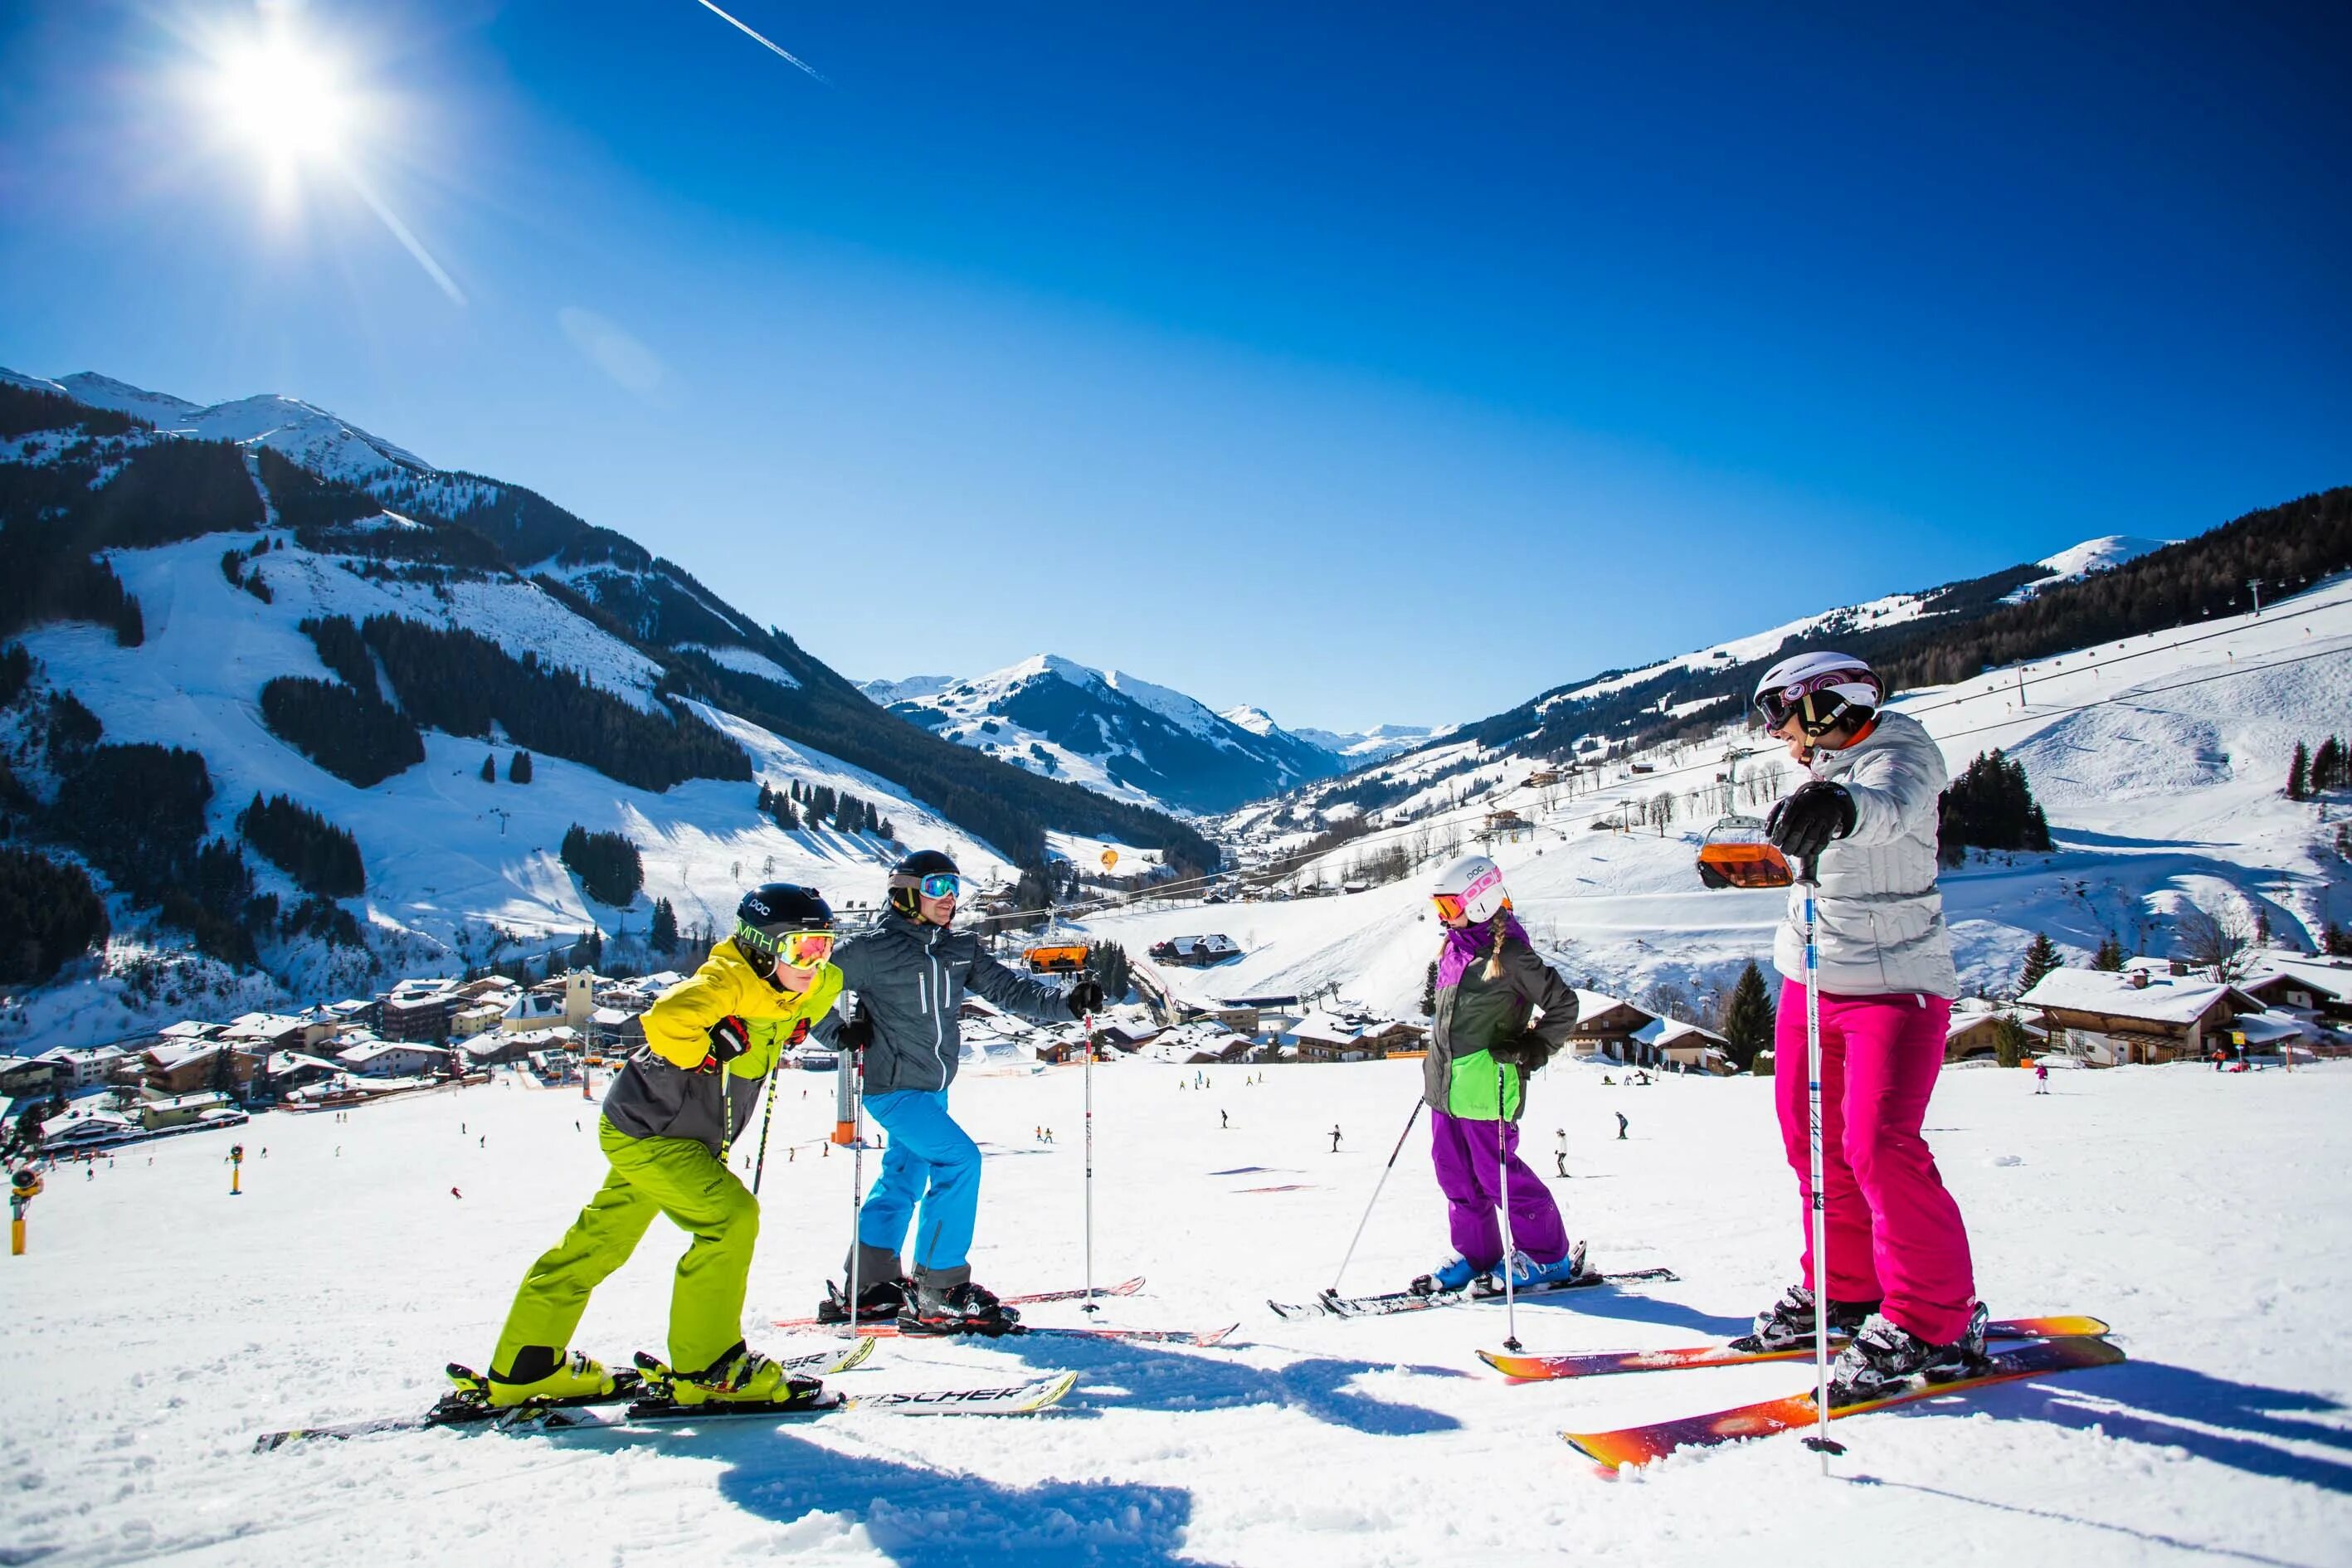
column 1879, row 919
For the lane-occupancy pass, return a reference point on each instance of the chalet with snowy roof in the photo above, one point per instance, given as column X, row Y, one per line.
column 2110, row 1019
column 85, row 1065
column 417, row 1015
column 1196, row 952
column 87, row 1129
column 1328, row 1034
column 1606, row 1027
column 394, row 1058
column 183, row 1068
column 1686, row 1045
column 290, row 1070
column 180, row 1110
column 1974, row 1036
column 2317, row 989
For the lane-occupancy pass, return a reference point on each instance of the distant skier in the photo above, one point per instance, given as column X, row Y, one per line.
column 669, row 1115
column 910, row 974
column 2042, row 1077
column 1621, row 1127
column 1335, row 1137
column 1500, row 1014
column 1559, row 1148
column 1900, row 1279
column 1225, row 1121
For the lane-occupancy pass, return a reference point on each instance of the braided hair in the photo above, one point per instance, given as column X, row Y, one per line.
column 1499, row 927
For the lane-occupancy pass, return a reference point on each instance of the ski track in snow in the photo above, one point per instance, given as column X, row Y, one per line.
column 161, row 1324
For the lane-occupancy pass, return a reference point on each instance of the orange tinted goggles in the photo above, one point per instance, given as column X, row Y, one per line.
column 1450, row 906
column 806, row 949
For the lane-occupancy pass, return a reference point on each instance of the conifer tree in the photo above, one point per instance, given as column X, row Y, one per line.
column 518, row 769
column 489, row 770
column 2299, row 774
column 1748, row 1017
column 663, row 934
column 2110, row 956
column 2040, row 958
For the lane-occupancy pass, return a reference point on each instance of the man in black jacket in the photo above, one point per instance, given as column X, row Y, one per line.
column 910, row 974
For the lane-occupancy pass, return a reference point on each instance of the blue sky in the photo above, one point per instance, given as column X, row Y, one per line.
column 1367, row 363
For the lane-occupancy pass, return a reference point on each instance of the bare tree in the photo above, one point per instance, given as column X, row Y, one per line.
column 2219, row 940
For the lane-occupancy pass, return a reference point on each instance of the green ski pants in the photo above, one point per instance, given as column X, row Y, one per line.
column 677, row 1176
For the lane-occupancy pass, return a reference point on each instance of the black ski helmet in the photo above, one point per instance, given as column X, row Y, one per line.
column 774, row 910
column 906, row 879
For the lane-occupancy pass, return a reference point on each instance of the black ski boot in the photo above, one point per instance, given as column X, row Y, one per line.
column 879, row 1302
column 1884, row 1357
column 1788, row 1323
column 959, row 1308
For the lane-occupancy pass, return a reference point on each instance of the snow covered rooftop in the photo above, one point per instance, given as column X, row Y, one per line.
column 2162, row 1000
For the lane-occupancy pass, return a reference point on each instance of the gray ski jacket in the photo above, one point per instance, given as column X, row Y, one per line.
column 911, row 977
column 1879, row 916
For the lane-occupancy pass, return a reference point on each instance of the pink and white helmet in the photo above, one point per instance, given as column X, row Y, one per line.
column 1471, row 888
column 1820, row 691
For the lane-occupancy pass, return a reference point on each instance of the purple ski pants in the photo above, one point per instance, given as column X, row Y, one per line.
column 1893, row 1232
column 1471, row 1175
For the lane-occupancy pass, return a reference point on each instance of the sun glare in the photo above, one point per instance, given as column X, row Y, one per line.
column 282, row 100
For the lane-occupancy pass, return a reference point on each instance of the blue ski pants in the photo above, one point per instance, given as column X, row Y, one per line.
column 929, row 1162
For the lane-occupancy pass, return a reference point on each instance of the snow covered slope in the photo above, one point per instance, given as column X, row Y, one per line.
column 159, row 1324
column 1113, row 732
column 309, row 435
column 2160, row 761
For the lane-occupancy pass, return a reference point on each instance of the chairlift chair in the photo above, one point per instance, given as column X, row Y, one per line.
column 1736, row 854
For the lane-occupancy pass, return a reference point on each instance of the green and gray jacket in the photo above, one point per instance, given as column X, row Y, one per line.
column 911, row 977
column 1474, row 1013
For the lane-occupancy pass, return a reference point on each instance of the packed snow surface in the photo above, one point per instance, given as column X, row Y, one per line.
column 158, row 1324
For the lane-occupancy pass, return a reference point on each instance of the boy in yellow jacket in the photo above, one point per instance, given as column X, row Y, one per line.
column 672, row 1111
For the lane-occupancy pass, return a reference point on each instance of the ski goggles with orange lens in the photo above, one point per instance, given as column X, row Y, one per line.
column 1450, row 906
column 805, row 949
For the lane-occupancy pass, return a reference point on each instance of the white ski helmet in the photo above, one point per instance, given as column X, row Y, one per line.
column 1820, row 691
column 1471, row 888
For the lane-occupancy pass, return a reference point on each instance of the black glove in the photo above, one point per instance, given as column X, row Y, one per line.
column 857, row 1033
column 1085, row 997
column 1528, row 1050
column 1807, row 822
column 728, row 1039
column 1711, row 878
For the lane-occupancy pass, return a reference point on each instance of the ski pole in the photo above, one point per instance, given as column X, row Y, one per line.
column 1383, row 1182
column 1088, row 1073
column 1502, row 1185
column 853, row 1067
column 1820, row 1441
column 767, row 1120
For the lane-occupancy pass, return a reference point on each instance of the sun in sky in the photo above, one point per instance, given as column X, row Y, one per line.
column 287, row 104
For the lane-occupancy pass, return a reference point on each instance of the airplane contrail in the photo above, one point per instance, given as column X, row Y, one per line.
column 770, row 43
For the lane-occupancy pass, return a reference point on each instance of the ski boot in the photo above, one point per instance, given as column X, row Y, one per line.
column 1788, row 1322
column 1884, row 1357
column 1455, row 1274
column 1526, row 1274
column 879, row 1302
column 739, row 1379
column 543, row 1375
column 961, row 1309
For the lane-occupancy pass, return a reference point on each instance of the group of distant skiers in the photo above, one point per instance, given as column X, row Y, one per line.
column 1863, row 824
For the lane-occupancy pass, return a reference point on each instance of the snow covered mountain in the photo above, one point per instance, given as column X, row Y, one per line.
column 1362, row 748
column 221, row 605
column 1112, row 733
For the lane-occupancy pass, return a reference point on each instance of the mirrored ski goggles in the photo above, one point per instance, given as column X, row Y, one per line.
column 800, row 949
column 940, row 885
column 1450, row 906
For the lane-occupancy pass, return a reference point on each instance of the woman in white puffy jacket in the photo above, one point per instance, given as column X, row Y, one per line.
column 1899, row 1276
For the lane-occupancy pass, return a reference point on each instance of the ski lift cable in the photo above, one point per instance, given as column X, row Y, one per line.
column 1181, row 887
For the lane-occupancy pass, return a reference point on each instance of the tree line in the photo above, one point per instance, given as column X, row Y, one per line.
column 607, row 865
column 322, row 858
column 2311, row 772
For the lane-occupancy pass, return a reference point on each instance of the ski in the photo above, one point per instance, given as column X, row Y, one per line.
column 1639, row 1444
column 470, row 1407
column 1601, row 1364
column 1016, row 1399
column 1408, row 1301
column 1012, row 1330
column 1124, row 1287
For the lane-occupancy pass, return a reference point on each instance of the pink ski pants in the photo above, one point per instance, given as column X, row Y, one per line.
column 1894, row 1234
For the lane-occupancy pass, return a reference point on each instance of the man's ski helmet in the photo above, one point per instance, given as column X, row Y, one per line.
column 772, row 913
column 1471, row 888
column 1821, row 692
column 918, row 878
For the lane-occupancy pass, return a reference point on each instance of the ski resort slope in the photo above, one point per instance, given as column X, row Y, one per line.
column 2161, row 763
column 160, row 1324
column 447, row 855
